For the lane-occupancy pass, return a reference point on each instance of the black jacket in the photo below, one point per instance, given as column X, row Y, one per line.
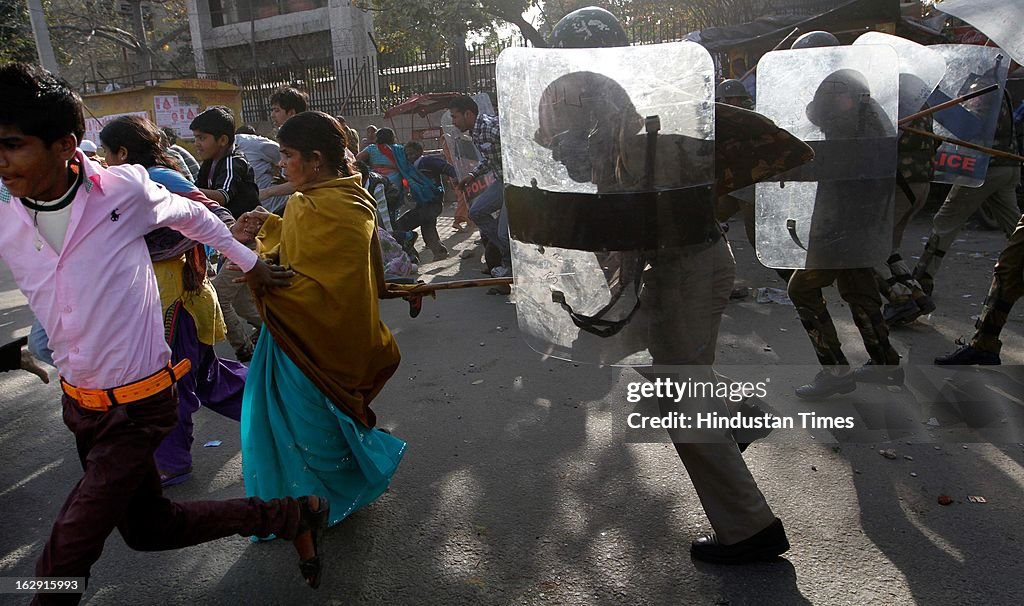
column 233, row 177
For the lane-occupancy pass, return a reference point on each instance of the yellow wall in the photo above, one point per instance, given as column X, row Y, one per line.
column 200, row 93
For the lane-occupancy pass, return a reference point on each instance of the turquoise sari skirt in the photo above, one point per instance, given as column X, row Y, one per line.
column 295, row 442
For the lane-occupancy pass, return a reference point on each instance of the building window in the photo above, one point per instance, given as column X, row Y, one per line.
column 226, row 12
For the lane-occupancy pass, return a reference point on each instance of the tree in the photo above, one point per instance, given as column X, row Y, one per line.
column 16, row 41
column 405, row 24
column 95, row 37
column 434, row 25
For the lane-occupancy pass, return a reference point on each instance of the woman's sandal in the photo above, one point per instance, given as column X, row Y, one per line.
column 314, row 522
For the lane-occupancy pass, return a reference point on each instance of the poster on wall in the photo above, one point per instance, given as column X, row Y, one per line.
column 94, row 124
column 170, row 113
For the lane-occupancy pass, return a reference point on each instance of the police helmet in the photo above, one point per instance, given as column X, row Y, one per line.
column 817, row 39
column 588, row 27
column 731, row 88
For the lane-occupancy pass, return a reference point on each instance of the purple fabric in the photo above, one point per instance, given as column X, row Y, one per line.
column 214, row 383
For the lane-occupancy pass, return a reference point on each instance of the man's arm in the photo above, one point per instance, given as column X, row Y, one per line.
column 197, row 223
column 194, row 221
column 439, row 165
column 281, row 189
column 214, row 194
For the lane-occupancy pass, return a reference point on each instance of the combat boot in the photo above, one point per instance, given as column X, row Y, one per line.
column 900, row 314
column 879, row 374
column 826, row 383
column 967, row 354
column 927, row 282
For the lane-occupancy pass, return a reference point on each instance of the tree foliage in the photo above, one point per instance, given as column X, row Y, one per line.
column 16, row 40
column 433, row 25
column 95, row 38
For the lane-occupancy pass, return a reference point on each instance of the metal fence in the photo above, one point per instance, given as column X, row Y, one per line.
column 334, row 87
column 366, row 86
column 372, row 84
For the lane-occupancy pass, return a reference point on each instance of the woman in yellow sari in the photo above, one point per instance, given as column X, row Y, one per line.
column 323, row 354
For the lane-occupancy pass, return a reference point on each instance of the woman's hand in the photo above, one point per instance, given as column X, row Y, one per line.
column 249, row 224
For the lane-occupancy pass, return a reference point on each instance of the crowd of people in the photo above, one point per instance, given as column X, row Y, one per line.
column 250, row 238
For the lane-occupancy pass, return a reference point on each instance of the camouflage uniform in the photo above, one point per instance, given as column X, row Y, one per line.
column 914, row 174
column 742, row 161
column 1007, row 287
column 999, row 191
column 856, row 286
column 728, row 205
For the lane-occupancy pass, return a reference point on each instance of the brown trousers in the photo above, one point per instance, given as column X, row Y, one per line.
column 121, row 489
column 687, row 295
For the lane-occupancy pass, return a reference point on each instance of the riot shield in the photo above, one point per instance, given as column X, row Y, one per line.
column 608, row 158
column 461, row 152
column 837, row 211
column 968, row 68
column 921, row 69
column 998, row 19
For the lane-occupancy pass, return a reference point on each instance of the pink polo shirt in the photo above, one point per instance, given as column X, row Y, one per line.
column 98, row 299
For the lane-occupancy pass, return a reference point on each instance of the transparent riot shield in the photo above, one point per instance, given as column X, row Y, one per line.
column 969, row 68
column 921, row 69
column 1000, row 20
column 608, row 158
column 837, row 211
column 463, row 154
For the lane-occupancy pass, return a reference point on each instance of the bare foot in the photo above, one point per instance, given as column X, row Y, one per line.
column 304, row 542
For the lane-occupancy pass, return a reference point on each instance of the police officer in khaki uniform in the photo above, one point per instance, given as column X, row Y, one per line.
column 686, row 292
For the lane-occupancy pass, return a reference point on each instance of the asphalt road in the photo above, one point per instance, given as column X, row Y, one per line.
column 523, row 488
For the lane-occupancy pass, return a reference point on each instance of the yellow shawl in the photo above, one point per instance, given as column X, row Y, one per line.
column 203, row 305
column 328, row 320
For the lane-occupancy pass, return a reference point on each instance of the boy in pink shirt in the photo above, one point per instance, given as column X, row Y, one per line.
column 72, row 233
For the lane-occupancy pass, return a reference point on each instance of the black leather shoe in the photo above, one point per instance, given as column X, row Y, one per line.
column 826, row 384
column 967, row 354
column 764, row 546
column 876, row 373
